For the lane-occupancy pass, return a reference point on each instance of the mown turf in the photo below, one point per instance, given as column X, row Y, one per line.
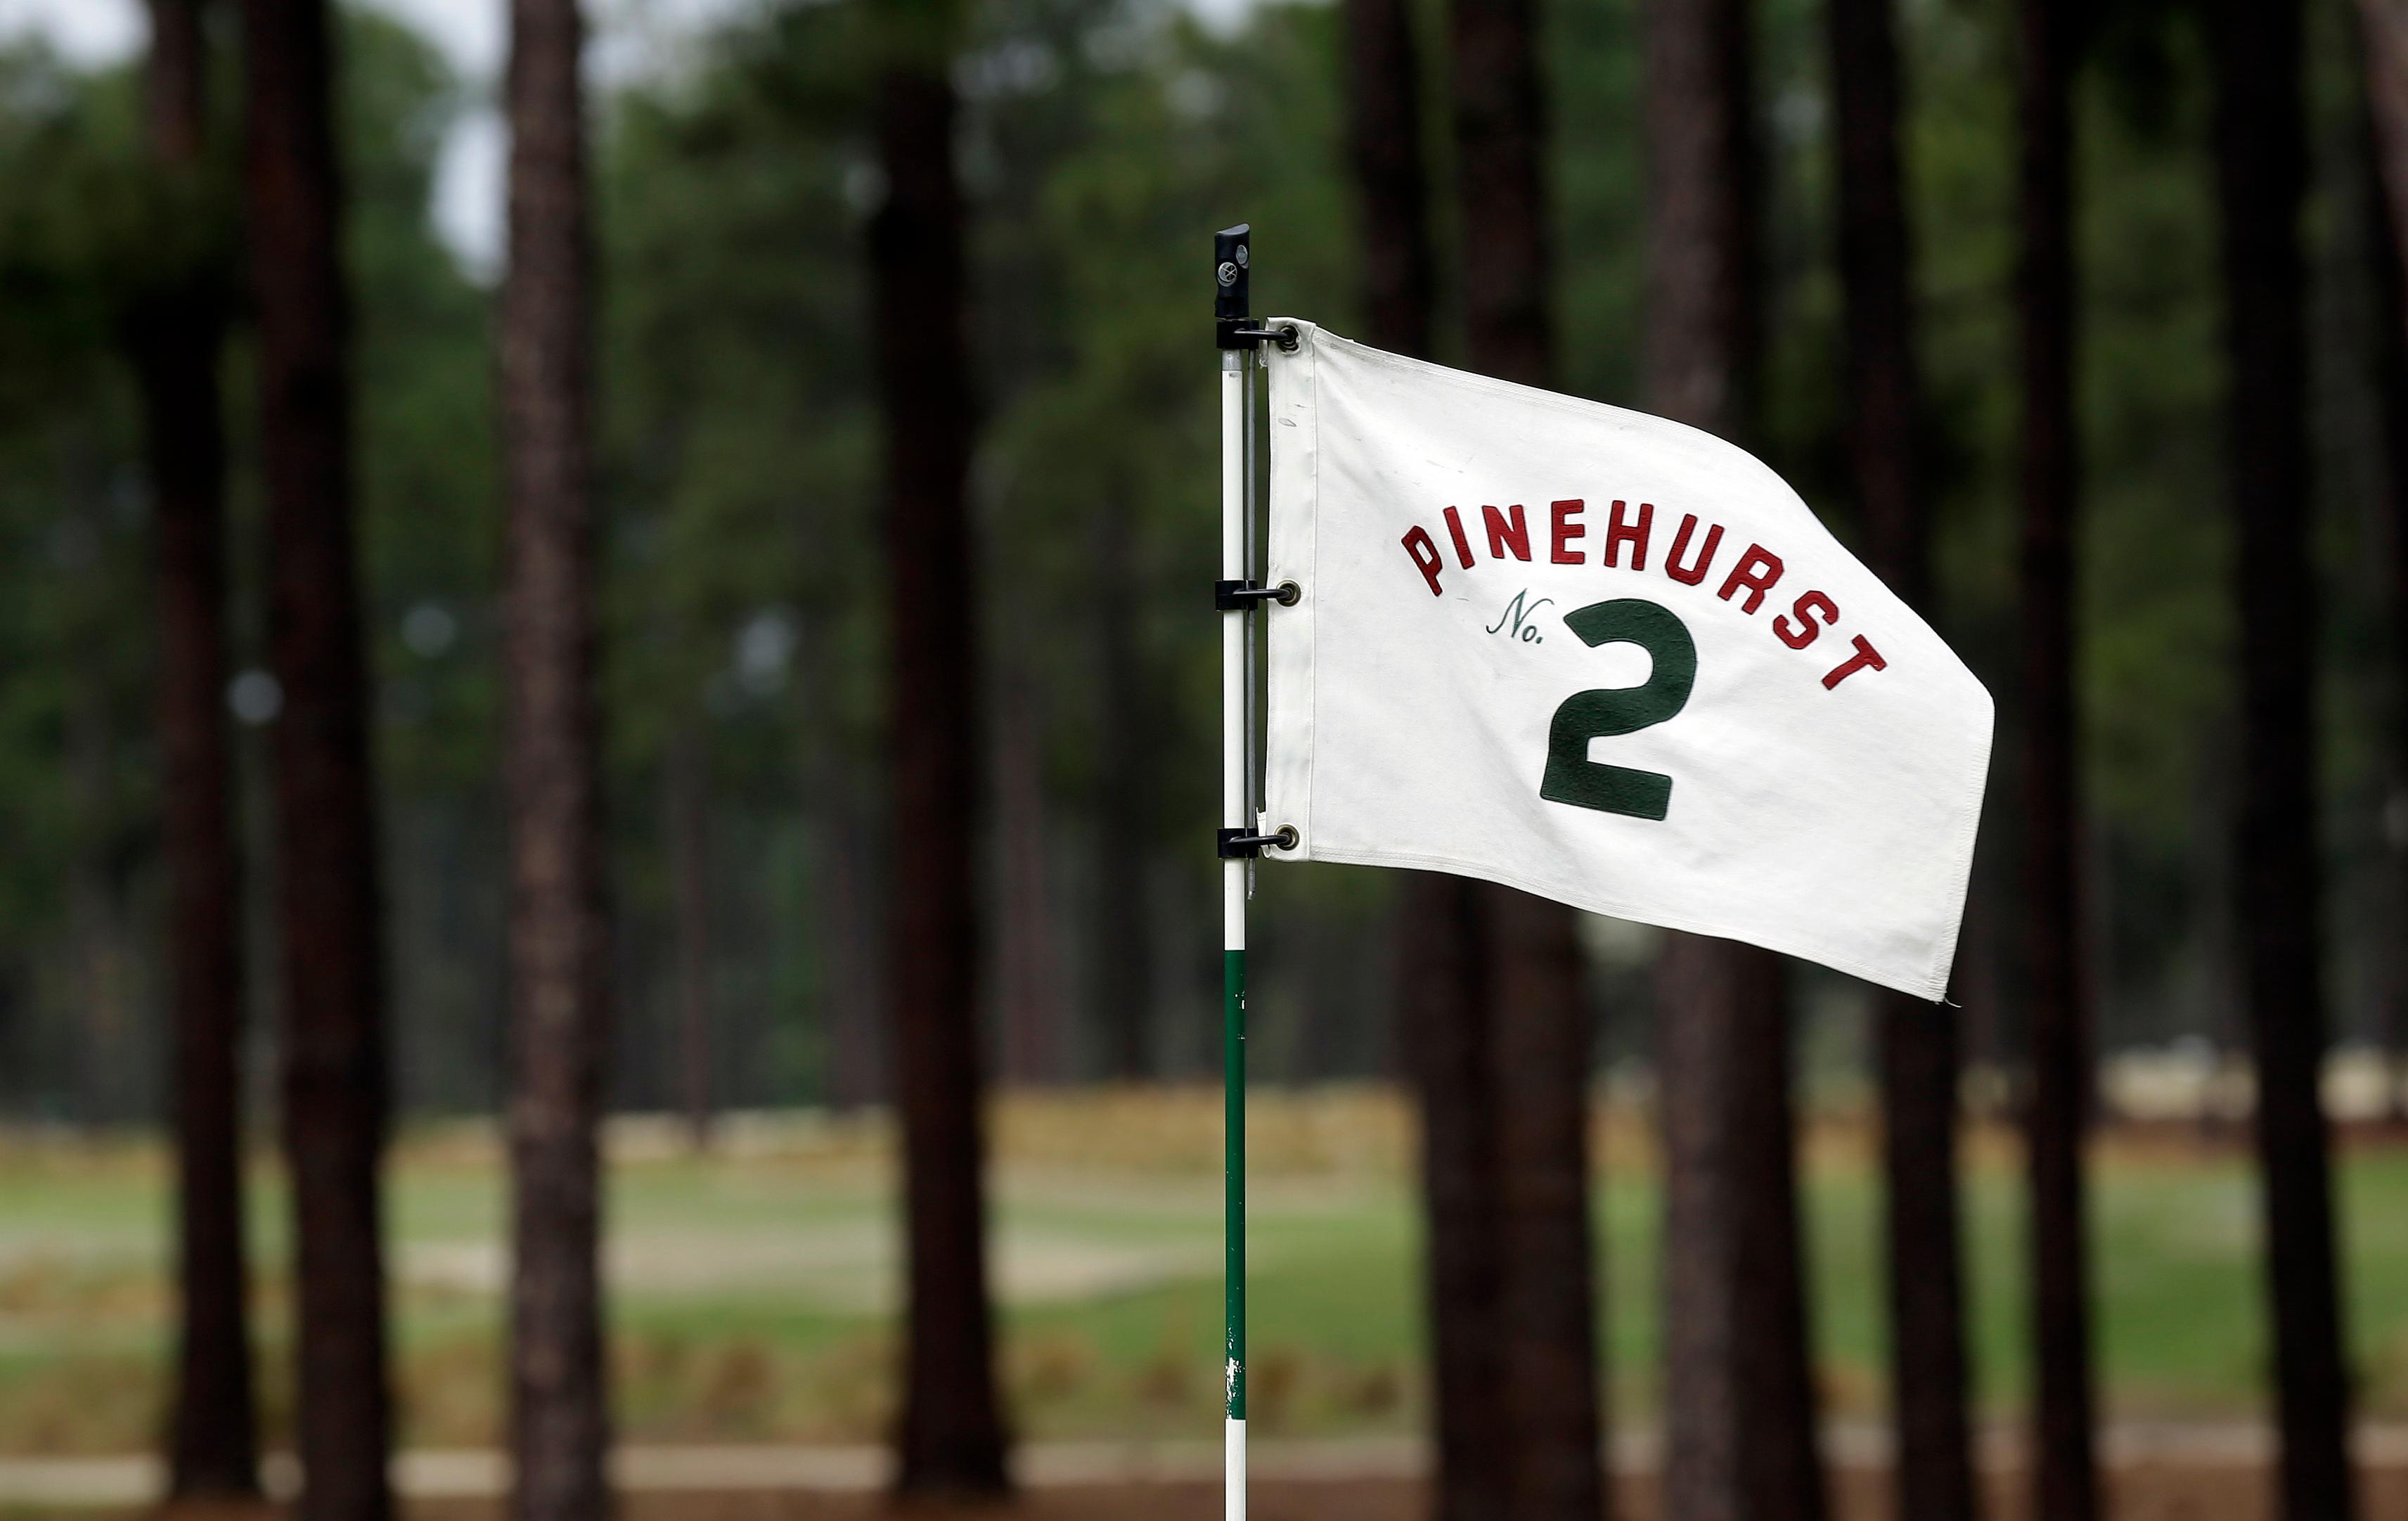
column 753, row 1286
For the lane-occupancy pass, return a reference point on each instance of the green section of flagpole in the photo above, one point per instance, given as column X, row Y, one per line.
column 1233, row 1085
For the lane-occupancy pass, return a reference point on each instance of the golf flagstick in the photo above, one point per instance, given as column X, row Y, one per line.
column 1236, row 363
column 1236, row 595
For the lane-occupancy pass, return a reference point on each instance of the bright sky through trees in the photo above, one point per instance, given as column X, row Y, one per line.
column 626, row 39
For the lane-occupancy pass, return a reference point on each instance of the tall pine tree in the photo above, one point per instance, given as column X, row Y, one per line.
column 1917, row 1040
column 177, row 335
column 1740, row 1437
column 2382, row 37
column 2065, row 1479
column 559, row 937
column 1441, row 1014
column 1532, row 1019
column 2261, row 177
column 326, row 855
column 952, row 1434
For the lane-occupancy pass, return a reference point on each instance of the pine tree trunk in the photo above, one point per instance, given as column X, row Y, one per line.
column 688, row 770
column 1536, row 1021
column 559, row 952
column 2261, row 175
column 1442, row 1019
column 328, row 875
column 1703, row 334
column 1552, row 1395
column 213, row 1444
column 1740, row 1409
column 1384, row 136
column 1701, row 1478
column 1933, row 1479
column 2064, row 1478
column 1919, row 1078
column 951, row 1437
column 2382, row 31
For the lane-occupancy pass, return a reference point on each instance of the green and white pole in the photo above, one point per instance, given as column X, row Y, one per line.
column 1237, row 596
column 1230, row 261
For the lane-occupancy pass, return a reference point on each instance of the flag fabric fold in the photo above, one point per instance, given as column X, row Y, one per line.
column 1608, row 659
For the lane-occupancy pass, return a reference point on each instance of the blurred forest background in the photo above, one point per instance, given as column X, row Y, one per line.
column 749, row 740
column 741, row 589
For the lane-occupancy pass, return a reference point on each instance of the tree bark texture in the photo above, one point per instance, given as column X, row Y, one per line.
column 1500, row 132
column 1738, row 1398
column 559, row 933
column 2383, row 33
column 213, row 1444
column 1704, row 333
column 327, row 871
column 2261, row 176
column 1552, row 1393
column 1536, row 1021
column 1917, row 1042
column 1443, row 1021
column 952, row 1436
column 1739, row 1406
column 1383, row 138
column 2064, row 1478
column 1445, row 1024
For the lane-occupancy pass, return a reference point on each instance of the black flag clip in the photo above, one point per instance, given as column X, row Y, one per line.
column 1237, row 596
column 1236, row 844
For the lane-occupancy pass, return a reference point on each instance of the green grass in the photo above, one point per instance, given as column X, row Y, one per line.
column 754, row 1287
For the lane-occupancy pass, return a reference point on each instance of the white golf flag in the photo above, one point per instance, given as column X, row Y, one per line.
column 1608, row 659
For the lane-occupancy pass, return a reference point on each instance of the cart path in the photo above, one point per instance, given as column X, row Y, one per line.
column 108, row 1482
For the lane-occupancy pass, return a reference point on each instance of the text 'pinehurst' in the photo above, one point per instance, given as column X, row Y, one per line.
column 1755, row 572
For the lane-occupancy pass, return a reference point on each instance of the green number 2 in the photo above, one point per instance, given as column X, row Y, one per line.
column 1571, row 776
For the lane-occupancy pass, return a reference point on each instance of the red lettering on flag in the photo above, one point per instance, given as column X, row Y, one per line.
column 1499, row 535
column 1462, row 545
column 1424, row 551
column 1807, row 629
column 1618, row 533
column 1695, row 573
column 1564, row 530
column 1757, row 570
column 1865, row 656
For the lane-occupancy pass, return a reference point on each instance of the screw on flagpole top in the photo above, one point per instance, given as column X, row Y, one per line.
column 1231, row 294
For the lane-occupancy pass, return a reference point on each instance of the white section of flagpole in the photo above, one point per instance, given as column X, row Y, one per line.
column 1256, row 522
column 1233, row 640
column 1234, row 788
